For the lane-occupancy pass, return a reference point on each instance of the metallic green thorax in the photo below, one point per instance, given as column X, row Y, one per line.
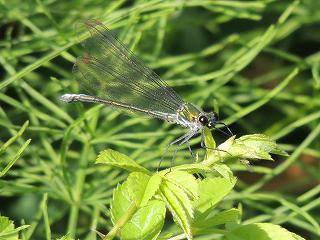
column 190, row 112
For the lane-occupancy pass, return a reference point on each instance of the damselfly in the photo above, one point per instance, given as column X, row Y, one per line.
column 111, row 74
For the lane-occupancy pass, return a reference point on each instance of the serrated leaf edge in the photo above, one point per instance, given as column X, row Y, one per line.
column 177, row 210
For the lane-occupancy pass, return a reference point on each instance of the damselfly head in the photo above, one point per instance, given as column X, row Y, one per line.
column 209, row 120
column 213, row 118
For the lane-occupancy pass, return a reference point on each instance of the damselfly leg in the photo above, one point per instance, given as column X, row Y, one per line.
column 179, row 141
column 190, row 150
column 185, row 140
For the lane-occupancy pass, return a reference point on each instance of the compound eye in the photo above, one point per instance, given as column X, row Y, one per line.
column 203, row 120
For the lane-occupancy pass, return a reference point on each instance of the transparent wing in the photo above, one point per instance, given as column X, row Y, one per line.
column 113, row 73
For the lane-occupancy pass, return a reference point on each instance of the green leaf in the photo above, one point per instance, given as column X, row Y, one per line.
column 6, row 227
column 182, row 196
column 223, row 170
column 211, row 220
column 226, row 145
column 146, row 223
column 177, row 191
column 208, row 139
column 192, row 168
column 261, row 231
column 177, row 206
column 116, row 159
column 8, row 230
column 121, row 201
column 142, row 187
column 151, row 188
column 256, row 146
column 221, row 152
column 239, row 150
column 186, row 181
column 212, row 190
column 297, row 237
column 264, row 143
column 137, row 183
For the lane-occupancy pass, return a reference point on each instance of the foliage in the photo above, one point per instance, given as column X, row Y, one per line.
column 256, row 62
column 8, row 230
column 138, row 204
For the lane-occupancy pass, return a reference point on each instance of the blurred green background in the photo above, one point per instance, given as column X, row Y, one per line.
column 256, row 62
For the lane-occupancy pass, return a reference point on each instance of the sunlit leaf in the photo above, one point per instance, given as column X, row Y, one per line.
column 207, row 221
column 146, row 223
column 248, row 147
column 212, row 190
column 116, row 159
column 192, row 168
column 151, row 188
column 147, row 220
column 177, row 207
column 261, row 142
column 185, row 181
column 142, row 187
column 121, row 201
column 8, row 230
column 261, row 231
column 223, row 170
column 256, row 146
column 208, row 139
column 221, row 152
column 137, row 183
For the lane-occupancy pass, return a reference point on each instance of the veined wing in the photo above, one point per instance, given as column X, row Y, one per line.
column 111, row 72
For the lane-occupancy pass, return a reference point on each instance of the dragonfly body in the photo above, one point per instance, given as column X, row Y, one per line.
column 111, row 74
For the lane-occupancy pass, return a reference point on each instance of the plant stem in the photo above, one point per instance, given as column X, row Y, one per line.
column 80, row 178
column 44, row 207
column 121, row 222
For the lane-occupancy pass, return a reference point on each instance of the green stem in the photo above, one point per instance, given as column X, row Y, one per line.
column 121, row 222
column 245, row 111
column 44, row 207
column 81, row 174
